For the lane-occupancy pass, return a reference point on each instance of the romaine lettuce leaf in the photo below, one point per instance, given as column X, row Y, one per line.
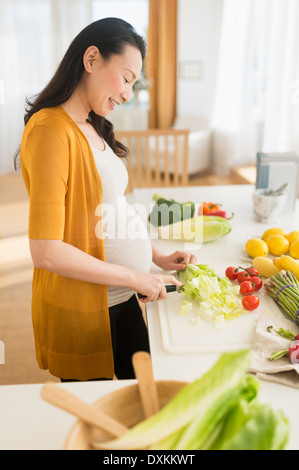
column 253, row 426
column 202, row 431
column 218, row 411
column 193, row 400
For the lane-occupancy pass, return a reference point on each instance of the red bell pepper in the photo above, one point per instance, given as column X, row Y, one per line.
column 220, row 214
column 206, row 207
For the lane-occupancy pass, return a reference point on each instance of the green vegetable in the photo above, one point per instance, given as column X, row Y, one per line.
column 169, row 211
column 203, row 228
column 187, row 307
column 202, row 431
column 284, row 289
column 293, row 351
column 287, row 334
column 253, row 426
column 195, row 399
column 220, row 410
column 214, row 298
column 192, row 270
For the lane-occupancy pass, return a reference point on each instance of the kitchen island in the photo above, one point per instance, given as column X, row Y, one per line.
column 29, row 423
column 226, row 251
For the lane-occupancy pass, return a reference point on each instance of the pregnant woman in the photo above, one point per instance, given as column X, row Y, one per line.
column 87, row 320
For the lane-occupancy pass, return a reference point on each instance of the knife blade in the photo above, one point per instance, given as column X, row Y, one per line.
column 169, row 288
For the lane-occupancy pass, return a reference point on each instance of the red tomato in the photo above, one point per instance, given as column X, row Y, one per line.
column 243, row 276
column 252, row 271
column 250, row 302
column 231, row 272
column 246, row 288
column 256, row 282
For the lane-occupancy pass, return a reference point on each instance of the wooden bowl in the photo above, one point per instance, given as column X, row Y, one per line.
column 125, row 406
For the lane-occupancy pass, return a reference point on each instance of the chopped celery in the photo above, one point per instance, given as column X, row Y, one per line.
column 187, row 307
column 213, row 298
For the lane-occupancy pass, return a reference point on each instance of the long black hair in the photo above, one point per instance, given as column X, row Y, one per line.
column 110, row 36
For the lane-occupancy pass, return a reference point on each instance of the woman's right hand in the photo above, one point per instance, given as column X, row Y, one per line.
column 152, row 286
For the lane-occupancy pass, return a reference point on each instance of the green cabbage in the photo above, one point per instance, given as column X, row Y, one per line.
column 202, row 228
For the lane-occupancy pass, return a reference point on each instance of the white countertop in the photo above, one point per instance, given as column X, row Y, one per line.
column 225, row 251
column 29, row 423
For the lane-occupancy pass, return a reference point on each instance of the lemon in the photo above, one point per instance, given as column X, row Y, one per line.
column 273, row 231
column 294, row 249
column 293, row 236
column 278, row 244
column 256, row 247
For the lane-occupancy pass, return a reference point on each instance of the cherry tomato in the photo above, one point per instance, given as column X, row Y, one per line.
column 243, row 276
column 250, row 302
column 246, row 288
column 252, row 271
column 256, row 282
column 231, row 272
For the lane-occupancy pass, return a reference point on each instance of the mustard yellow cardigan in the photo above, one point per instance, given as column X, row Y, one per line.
column 70, row 317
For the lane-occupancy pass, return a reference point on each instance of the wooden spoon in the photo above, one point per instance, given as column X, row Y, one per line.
column 87, row 413
column 147, row 387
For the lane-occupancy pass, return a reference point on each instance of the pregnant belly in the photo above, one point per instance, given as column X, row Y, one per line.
column 126, row 243
column 134, row 254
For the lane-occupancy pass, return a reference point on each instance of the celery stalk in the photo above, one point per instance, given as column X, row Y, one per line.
column 213, row 297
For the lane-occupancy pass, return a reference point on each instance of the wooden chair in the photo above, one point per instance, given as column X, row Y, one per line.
column 158, row 157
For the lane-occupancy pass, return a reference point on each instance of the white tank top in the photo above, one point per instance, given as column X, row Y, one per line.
column 126, row 239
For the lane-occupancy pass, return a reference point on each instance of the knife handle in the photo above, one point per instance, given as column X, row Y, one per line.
column 169, row 288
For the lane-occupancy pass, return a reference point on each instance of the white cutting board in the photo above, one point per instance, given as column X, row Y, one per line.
column 180, row 336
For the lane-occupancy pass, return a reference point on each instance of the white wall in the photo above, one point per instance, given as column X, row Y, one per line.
column 198, row 40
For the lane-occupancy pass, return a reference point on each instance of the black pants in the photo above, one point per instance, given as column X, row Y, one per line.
column 129, row 335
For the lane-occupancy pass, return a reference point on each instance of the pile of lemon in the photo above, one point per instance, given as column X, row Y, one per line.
column 275, row 241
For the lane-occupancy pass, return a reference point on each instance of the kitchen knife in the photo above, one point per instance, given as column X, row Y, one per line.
column 169, row 288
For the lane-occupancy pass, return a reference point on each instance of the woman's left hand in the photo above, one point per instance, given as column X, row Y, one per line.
column 177, row 261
